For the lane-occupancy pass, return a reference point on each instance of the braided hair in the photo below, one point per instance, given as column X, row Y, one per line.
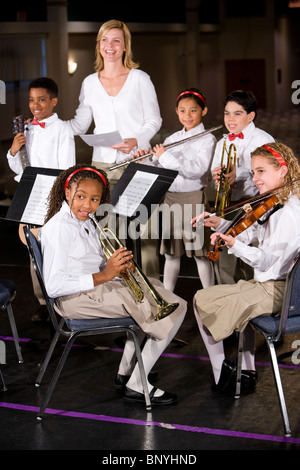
column 57, row 193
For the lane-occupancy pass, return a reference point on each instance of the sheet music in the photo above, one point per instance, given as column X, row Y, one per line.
column 134, row 193
column 36, row 207
column 102, row 140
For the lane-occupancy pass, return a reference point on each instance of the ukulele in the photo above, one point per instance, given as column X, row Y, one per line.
column 18, row 126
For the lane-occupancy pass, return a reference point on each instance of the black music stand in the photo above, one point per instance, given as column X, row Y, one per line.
column 140, row 185
column 29, row 204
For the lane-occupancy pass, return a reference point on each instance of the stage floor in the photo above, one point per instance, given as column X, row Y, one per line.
column 86, row 413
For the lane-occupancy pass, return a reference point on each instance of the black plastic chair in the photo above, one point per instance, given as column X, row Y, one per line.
column 77, row 328
column 274, row 328
column 7, row 295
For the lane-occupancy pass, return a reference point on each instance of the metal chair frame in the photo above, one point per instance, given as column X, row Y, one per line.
column 274, row 328
column 10, row 288
column 76, row 329
column 8, row 307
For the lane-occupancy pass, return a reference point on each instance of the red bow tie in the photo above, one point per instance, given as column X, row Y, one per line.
column 231, row 137
column 36, row 122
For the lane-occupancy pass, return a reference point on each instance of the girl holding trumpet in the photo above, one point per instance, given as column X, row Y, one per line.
column 221, row 309
column 85, row 285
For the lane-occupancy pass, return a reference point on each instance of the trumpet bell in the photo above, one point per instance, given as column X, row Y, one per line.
column 166, row 310
column 163, row 308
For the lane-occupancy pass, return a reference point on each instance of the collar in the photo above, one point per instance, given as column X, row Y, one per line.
column 49, row 120
column 194, row 130
column 83, row 223
column 247, row 131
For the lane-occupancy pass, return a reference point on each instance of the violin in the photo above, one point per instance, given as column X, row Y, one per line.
column 249, row 217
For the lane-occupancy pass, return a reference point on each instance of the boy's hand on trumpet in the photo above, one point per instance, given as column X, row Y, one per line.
column 219, row 174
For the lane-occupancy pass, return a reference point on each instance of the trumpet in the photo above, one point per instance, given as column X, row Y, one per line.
column 167, row 146
column 163, row 307
column 223, row 201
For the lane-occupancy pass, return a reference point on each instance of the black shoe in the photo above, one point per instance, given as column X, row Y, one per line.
column 165, row 399
column 121, row 380
column 227, row 371
column 249, row 379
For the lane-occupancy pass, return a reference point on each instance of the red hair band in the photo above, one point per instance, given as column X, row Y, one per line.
column 85, row 168
column 275, row 154
column 192, row 93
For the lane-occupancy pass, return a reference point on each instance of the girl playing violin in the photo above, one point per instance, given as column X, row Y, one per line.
column 221, row 309
column 84, row 285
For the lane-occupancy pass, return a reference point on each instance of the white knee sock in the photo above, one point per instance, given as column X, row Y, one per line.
column 152, row 350
column 128, row 358
column 205, row 271
column 215, row 349
column 171, row 272
column 248, row 358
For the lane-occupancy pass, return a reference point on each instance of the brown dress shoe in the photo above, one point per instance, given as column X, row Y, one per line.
column 41, row 314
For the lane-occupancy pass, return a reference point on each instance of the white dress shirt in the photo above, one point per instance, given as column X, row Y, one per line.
column 192, row 159
column 71, row 252
column 253, row 138
column 278, row 242
column 50, row 147
column 134, row 112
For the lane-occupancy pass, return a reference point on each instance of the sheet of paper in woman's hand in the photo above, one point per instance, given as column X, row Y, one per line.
column 102, row 140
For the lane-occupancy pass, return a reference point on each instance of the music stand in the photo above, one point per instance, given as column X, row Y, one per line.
column 138, row 192
column 29, row 204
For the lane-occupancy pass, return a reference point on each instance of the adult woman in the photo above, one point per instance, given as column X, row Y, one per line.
column 118, row 96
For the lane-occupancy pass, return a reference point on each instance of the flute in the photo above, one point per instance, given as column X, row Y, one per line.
column 167, row 146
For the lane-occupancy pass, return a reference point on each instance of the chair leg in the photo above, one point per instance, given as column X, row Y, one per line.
column 56, row 375
column 48, row 357
column 142, row 369
column 279, row 388
column 2, row 384
column 14, row 332
column 239, row 365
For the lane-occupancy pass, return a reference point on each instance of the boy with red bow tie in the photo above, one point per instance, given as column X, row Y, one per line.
column 240, row 111
column 48, row 140
column 49, row 144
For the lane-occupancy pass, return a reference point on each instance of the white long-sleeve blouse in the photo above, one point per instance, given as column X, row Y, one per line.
column 134, row 112
column 191, row 159
column 71, row 252
column 278, row 242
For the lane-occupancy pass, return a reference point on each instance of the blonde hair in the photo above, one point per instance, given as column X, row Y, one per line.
column 293, row 166
column 128, row 61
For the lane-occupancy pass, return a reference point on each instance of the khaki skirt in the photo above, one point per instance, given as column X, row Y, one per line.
column 113, row 299
column 178, row 235
column 228, row 307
